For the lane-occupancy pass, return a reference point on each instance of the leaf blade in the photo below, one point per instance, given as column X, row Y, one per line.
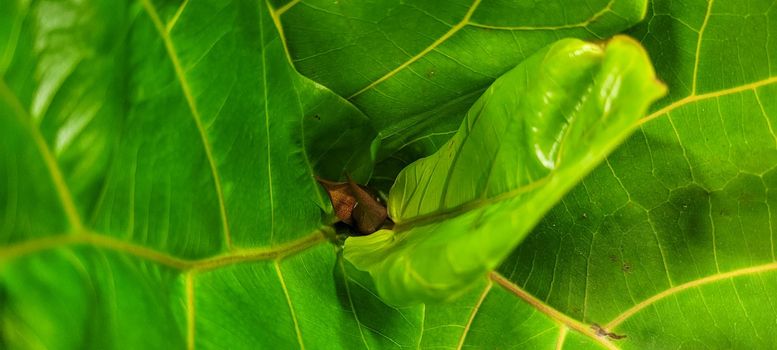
column 450, row 241
column 694, row 183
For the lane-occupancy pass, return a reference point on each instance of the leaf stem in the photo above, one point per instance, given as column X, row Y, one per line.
column 546, row 309
column 104, row 241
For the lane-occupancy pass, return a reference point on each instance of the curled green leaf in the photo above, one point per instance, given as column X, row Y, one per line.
column 534, row 134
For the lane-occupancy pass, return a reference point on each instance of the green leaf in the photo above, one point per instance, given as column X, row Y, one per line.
column 89, row 86
column 144, row 144
column 671, row 241
column 416, row 67
column 531, row 137
column 383, row 54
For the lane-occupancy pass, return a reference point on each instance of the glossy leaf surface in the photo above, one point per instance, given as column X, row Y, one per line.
column 416, row 67
column 93, row 113
column 671, row 242
column 531, row 137
column 382, row 55
column 143, row 145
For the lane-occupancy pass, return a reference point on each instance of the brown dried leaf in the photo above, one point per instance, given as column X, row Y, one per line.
column 355, row 205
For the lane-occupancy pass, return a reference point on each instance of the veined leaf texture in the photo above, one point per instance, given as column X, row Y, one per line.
column 157, row 166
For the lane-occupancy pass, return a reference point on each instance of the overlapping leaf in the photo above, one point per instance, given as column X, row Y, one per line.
column 416, row 67
column 670, row 241
column 94, row 83
column 384, row 55
column 531, row 136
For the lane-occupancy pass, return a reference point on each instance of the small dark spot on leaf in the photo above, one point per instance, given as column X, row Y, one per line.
column 584, row 216
column 316, row 117
column 626, row 267
column 613, row 258
column 430, row 73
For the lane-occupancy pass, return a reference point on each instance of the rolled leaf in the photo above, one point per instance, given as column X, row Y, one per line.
column 534, row 134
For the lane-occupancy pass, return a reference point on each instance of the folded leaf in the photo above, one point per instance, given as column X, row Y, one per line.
column 672, row 241
column 531, row 137
column 415, row 67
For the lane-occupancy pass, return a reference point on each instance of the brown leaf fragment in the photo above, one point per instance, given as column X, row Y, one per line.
column 355, row 205
column 369, row 214
column 341, row 197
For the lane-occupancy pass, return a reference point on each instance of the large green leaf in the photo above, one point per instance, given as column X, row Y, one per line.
column 384, row 54
column 84, row 82
column 670, row 242
column 531, row 137
column 169, row 141
column 416, row 67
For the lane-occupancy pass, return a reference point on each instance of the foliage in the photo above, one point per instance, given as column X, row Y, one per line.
column 157, row 166
column 531, row 136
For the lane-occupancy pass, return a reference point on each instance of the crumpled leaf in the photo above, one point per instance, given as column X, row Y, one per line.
column 531, row 137
column 355, row 205
column 342, row 199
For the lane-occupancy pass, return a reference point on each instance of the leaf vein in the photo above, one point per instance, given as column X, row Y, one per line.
column 191, row 102
column 583, row 24
column 103, row 241
column 692, row 284
column 698, row 47
column 58, row 180
column 694, row 98
column 474, row 312
column 423, row 52
column 350, row 302
column 288, row 302
column 549, row 311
